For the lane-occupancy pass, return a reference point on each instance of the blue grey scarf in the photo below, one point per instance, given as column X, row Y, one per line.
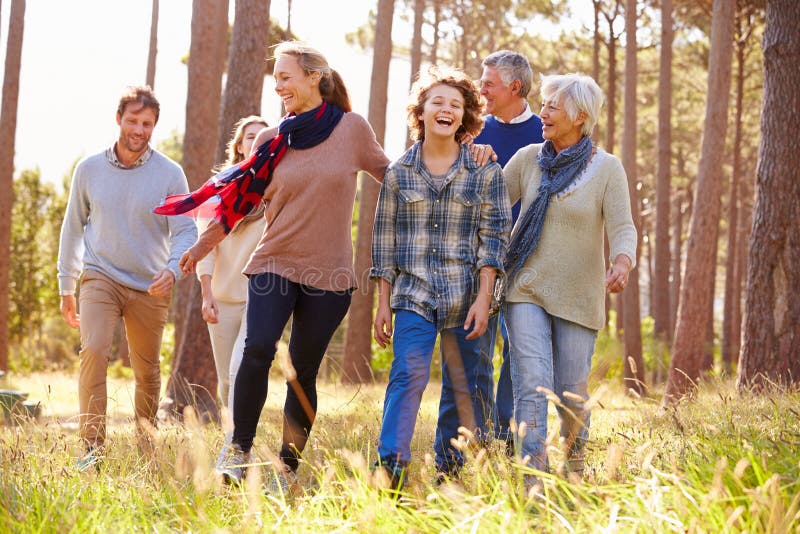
column 558, row 171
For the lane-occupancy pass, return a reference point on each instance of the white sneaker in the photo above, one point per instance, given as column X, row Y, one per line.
column 232, row 463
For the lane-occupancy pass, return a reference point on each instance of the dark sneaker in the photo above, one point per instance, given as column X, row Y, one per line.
column 91, row 459
column 232, row 463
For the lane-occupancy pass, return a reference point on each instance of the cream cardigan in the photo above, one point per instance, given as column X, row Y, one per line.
column 566, row 273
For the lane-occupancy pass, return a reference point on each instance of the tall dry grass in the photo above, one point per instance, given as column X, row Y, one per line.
column 720, row 462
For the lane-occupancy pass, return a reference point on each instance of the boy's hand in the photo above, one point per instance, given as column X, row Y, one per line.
column 382, row 326
column 477, row 317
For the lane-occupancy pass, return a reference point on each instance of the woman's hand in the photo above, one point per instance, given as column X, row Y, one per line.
column 210, row 238
column 210, row 310
column 188, row 262
column 617, row 275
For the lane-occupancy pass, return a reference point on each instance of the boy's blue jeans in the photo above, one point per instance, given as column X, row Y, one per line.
column 461, row 404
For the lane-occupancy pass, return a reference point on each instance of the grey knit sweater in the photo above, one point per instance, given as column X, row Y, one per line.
column 110, row 227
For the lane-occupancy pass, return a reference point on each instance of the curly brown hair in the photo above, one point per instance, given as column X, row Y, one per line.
column 472, row 122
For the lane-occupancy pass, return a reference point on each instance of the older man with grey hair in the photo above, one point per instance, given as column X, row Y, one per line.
column 510, row 125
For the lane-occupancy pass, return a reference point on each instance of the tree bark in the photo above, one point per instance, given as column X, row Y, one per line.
column 660, row 303
column 356, row 366
column 416, row 50
column 632, row 326
column 8, row 125
column 677, row 246
column 690, row 333
column 771, row 340
column 437, row 19
column 731, row 319
column 247, row 66
column 193, row 381
column 153, row 50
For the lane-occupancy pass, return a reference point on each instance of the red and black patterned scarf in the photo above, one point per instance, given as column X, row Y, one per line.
column 240, row 187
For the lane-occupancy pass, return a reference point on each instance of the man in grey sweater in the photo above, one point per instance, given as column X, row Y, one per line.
column 126, row 259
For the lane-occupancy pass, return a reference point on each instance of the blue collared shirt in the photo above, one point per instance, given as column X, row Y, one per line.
column 431, row 243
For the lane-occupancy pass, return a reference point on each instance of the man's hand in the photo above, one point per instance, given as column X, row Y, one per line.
column 482, row 154
column 69, row 309
column 382, row 326
column 162, row 284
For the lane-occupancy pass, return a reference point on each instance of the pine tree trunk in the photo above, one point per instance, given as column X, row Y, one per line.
column 416, row 49
column 437, row 19
column 356, row 366
column 690, row 333
column 8, row 125
column 660, row 304
column 632, row 326
column 771, row 340
column 708, row 347
column 677, row 245
column 247, row 66
column 731, row 318
column 153, row 49
column 193, row 381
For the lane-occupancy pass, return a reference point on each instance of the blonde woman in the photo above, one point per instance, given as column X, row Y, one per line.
column 224, row 287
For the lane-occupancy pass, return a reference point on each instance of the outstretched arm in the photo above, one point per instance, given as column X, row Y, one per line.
column 210, row 238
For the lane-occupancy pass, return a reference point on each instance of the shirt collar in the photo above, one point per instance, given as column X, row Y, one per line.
column 413, row 157
column 111, row 156
column 522, row 117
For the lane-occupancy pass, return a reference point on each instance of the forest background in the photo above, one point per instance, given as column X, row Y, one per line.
column 681, row 151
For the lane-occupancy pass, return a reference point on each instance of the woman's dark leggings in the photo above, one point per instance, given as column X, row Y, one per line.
column 315, row 316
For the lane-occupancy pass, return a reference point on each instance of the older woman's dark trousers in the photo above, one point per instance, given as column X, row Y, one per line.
column 315, row 314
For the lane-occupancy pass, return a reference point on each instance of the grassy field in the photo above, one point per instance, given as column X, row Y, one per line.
column 721, row 462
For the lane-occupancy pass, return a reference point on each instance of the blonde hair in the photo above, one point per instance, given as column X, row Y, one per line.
column 331, row 85
column 235, row 144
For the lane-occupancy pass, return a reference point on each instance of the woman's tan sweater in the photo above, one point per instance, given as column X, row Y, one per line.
column 309, row 212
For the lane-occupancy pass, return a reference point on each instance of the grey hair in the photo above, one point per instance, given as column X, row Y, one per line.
column 512, row 66
column 577, row 93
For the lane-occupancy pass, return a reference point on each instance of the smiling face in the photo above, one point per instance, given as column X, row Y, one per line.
column 502, row 100
column 298, row 90
column 557, row 127
column 135, row 127
column 443, row 111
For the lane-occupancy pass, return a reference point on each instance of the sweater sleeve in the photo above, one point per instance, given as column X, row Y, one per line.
column 621, row 231
column 371, row 156
column 206, row 265
column 182, row 230
column 70, row 247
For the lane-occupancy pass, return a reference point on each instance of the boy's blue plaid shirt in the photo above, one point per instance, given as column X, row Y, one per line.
column 431, row 244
